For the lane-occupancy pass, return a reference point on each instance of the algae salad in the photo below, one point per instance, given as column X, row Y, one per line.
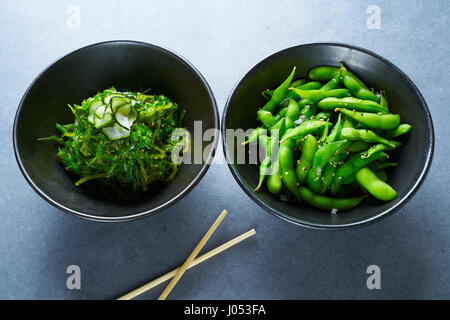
column 122, row 140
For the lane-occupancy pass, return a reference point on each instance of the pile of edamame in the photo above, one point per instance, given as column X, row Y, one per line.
column 326, row 140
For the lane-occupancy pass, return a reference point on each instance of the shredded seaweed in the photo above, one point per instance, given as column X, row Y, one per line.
column 131, row 163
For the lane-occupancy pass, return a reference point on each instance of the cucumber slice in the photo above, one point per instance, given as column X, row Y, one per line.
column 117, row 102
column 103, row 116
column 105, row 121
column 107, row 99
column 94, row 106
column 116, row 132
column 125, row 116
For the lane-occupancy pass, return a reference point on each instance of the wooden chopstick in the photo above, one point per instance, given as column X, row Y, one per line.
column 198, row 260
column 192, row 256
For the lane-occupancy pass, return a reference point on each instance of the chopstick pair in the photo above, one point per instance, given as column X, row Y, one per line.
column 190, row 262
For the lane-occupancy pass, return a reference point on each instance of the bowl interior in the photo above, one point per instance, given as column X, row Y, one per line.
column 403, row 97
column 126, row 66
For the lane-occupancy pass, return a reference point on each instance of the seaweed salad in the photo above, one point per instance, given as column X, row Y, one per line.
column 123, row 140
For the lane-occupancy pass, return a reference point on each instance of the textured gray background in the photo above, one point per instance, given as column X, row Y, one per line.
column 224, row 39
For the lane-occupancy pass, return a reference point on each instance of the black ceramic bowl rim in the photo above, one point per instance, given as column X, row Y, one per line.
column 364, row 222
column 152, row 211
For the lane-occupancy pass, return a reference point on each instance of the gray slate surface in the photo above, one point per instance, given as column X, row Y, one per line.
column 224, row 39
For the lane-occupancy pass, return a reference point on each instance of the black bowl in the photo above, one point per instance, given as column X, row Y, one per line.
column 404, row 98
column 127, row 65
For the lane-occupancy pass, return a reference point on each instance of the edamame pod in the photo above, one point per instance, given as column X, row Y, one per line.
column 373, row 120
column 328, row 203
column 350, row 167
column 255, row 134
column 274, row 183
column 335, row 133
column 365, row 135
column 356, row 86
column 323, row 73
column 279, row 94
column 265, row 164
column 286, row 158
column 266, row 118
column 376, row 187
column 269, row 93
column 292, row 113
column 317, row 95
column 400, row 130
column 350, row 103
column 358, row 146
column 332, row 84
column 306, row 127
column 330, row 168
column 313, row 85
column 309, row 148
column 321, row 158
column 382, row 147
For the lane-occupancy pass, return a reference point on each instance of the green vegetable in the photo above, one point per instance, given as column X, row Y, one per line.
column 335, row 130
column 328, row 203
column 122, row 140
column 374, row 185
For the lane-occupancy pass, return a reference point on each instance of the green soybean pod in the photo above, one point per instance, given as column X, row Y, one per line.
column 313, row 85
column 351, row 103
column 274, row 183
column 332, row 84
column 328, row 203
column 365, row 135
column 279, row 94
column 400, row 130
column 266, row 118
column 306, row 127
column 373, row 120
column 317, row 95
column 330, row 168
column 255, row 134
column 323, row 73
column 382, row 147
column 265, row 164
column 345, row 172
column 336, row 131
column 321, row 158
column 287, row 169
column 309, row 148
column 298, row 82
column 268, row 93
column 376, row 187
column 292, row 113
column 325, row 132
column 358, row 146
column 356, row 86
